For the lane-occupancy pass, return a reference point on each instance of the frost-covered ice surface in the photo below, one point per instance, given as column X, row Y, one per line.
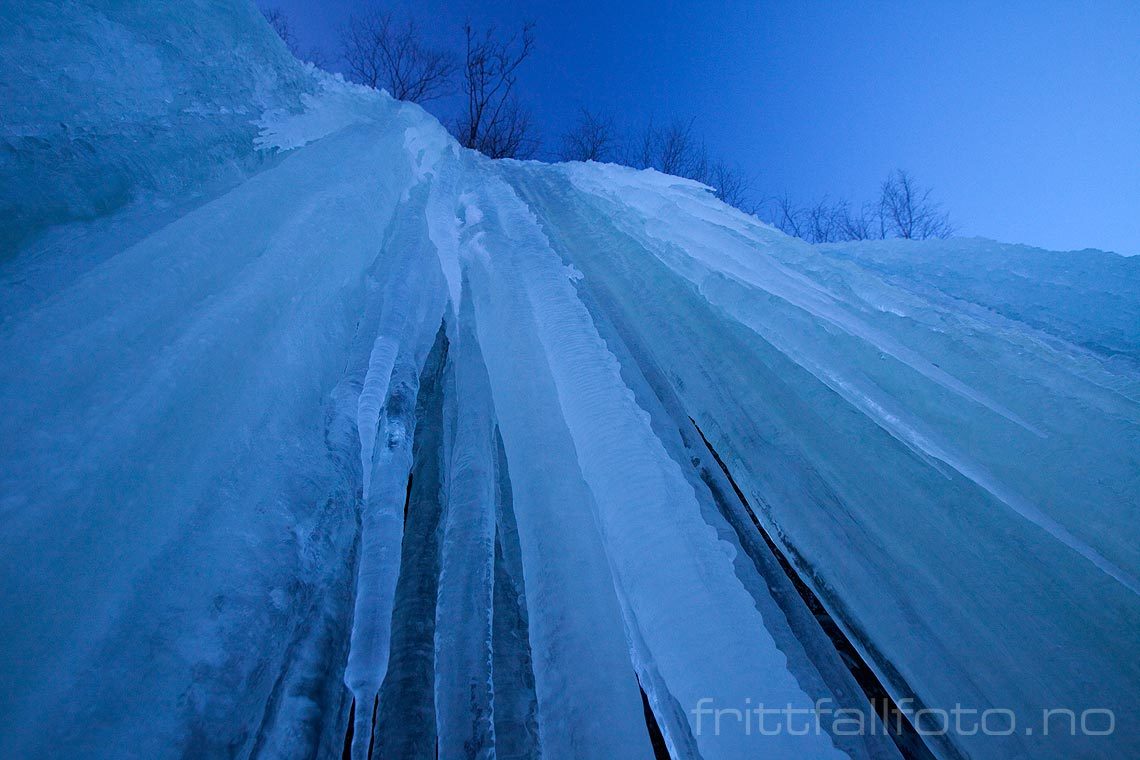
column 320, row 431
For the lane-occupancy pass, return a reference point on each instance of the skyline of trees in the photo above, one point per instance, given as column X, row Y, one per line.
column 494, row 121
column 904, row 209
column 382, row 50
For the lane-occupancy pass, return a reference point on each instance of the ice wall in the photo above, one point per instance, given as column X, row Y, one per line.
column 323, row 434
column 108, row 103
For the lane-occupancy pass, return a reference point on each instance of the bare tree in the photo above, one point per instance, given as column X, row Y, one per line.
column 495, row 123
column 908, row 211
column 590, row 139
column 511, row 134
column 824, row 222
column 672, row 149
column 675, row 149
column 382, row 52
column 679, row 152
column 639, row 153
column 787, row 217
column 903, row 210
column 280, row 23
column 864, row 225
column 731, row 185
column 821, row 222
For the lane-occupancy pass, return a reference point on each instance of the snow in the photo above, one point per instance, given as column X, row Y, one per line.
column 306, row 407
column 335, row 105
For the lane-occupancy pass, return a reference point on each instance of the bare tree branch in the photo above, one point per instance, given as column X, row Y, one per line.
column 903, row 210
column 639, row 153
column 823, row 223
column 381, row 52
column 511, row 134
column 675, row 149
column 495, row 123
column 590, row 139
column 679, row 153
column 908, row 210
column 672, row 149
column 731, row 186
column 862, row 226
column 787, row 217
column 280, row 23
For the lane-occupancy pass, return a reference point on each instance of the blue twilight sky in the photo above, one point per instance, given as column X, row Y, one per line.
column 1024, row 117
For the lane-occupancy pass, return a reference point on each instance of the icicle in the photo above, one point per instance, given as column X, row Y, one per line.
column 405, row 723
column 464, row 704
column 412, row 307
column 675, row 583
column 516, row 710
column 586, row 691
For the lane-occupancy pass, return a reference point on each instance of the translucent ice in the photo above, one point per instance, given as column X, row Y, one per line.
column 322, row 433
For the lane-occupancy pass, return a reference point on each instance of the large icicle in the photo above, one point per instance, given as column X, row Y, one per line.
column 516, row 710
column 405, row 721
column 908, row 556
column 674, row 575
column 411, row 310
column 588, row 702
column 464, row 692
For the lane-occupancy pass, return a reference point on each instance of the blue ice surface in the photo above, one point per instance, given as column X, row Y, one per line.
column 244, row 303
